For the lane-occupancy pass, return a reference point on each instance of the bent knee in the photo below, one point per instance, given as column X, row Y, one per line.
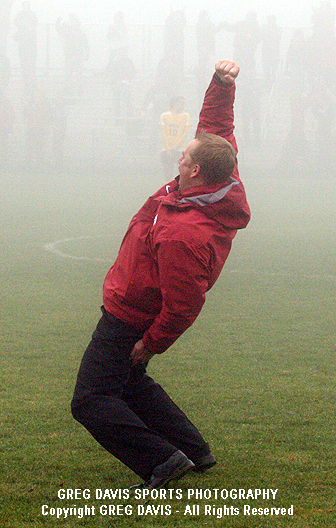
column 76, row 407
column 79, row 406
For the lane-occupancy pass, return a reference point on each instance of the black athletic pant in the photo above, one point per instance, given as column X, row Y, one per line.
column 124, row 409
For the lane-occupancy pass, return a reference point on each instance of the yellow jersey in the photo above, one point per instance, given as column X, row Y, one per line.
column 174, row 129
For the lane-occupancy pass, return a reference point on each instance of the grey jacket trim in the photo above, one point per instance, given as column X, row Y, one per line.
column 207, row 199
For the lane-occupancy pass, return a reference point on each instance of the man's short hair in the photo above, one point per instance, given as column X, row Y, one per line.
column 215, row 156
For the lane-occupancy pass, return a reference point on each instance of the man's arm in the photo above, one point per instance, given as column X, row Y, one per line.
column 216, row 115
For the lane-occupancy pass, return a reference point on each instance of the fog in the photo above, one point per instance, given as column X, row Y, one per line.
column 84, row 84
column 149, row 12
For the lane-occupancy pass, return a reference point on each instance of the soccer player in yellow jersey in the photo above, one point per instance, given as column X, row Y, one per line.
column 175, row 125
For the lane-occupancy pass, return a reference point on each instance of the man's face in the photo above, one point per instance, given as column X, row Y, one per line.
column 187, row 165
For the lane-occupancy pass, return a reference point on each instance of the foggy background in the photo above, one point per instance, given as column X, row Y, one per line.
column 291, row 14
column 85, row 81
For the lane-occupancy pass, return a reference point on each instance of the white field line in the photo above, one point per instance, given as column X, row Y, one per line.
column 53, row 248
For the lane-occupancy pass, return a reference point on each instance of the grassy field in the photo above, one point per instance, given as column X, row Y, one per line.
column 256, row 372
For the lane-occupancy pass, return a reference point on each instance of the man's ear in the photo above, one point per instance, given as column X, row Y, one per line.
column 196, row 171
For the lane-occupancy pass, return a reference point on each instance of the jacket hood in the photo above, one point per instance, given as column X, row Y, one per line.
column 225, row 203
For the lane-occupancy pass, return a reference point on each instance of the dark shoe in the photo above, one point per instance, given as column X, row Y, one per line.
column 204, row 463
column 174, row 468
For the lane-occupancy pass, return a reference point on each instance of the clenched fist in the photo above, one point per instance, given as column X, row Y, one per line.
column 227, row 71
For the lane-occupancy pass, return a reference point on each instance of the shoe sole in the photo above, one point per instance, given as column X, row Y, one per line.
column 177, row 474
column 204, row 467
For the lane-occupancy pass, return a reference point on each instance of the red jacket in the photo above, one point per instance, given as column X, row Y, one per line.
column 176, row 245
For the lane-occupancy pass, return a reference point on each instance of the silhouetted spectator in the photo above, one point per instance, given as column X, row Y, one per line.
column 59, row 123
column 174, row 40
column 76, row 52
column 206, row 49
column 271, row 41
column 323, row 105
column 247, row 37
column 5, row 10
column 5, row 71
column 321, row 49
column 6, row 125
column 38, row 120
column 175, row 125
column 323, row 19
column 158, row 96
column 321, row 44
column 121, row 72
column 296, row 74
column 117, row 35
column 296, row 61
column 250, row 97
column 26, row 37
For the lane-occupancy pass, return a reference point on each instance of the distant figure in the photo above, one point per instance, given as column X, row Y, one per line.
column 206, row 48
column 323, row 19
column 26, row 36
column 296, row 71
column 175, row 125
column 321, row 49
column 59, row 124
column 297, row 68
column 322, row 44
column 157, row 98
column 5, row 71
column 76, row 52
column 297, row 59
column 323, row 105
column 6, row 125
column 174, row 40
column 247, row 37
column 5, row 11
column 250, row 93
column 271, row 41
column 118, row 35
column 121, row 72
column 38, row 121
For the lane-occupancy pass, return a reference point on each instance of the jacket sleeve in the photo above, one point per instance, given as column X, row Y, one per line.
column 184, row 282
column 217, row 115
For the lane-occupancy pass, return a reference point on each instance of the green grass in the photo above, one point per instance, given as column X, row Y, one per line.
column 256, row 372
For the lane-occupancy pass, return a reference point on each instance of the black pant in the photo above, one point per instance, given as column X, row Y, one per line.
column 124, row 409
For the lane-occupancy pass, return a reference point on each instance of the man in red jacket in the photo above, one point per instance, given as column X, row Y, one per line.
column 171, row 255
